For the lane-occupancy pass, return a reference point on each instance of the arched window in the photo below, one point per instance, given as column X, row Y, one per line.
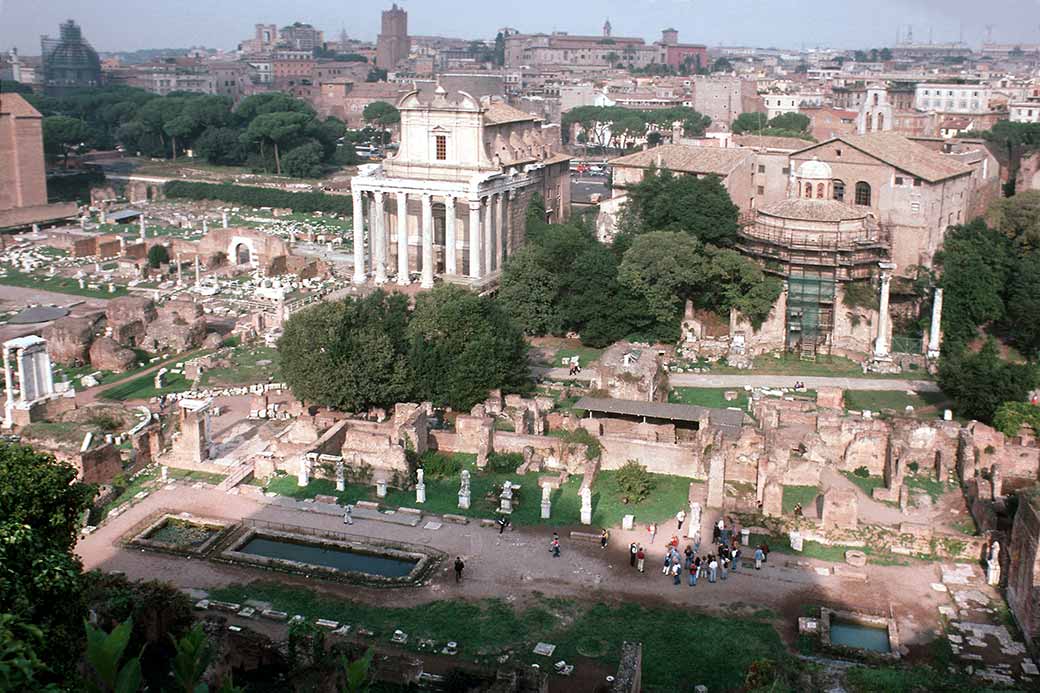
column 870, row 122
column 819, row 191
column 839, row 190
column 880, row 122
column 808, row 190
column 863, row 194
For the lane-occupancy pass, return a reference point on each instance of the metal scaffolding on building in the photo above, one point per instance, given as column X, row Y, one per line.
column 810, row 311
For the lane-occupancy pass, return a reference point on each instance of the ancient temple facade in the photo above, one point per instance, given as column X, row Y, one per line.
column 451, row 203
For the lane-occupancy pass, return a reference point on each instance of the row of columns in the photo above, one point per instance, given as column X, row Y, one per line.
column 883, row 343
column 488, row 237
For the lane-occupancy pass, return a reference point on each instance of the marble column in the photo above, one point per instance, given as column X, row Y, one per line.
column 198, row 272
column 881, row 349
column 475, row 234
column 507, row 223
column 359, row 239
column 935, row 329
column 501, row 249
column 378, row 229
column 402, row 239
column 427, row 242
column 449, row 235
column 489, row 239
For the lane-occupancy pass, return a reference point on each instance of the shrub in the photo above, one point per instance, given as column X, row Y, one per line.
column 913, row 467
column 1011, row 416
column 504, row 462
column 634, row 482
column 158, row 255
column 106, row 422
column 438, row 466
column 579, row 436
column 260, row 197
column 861, row 472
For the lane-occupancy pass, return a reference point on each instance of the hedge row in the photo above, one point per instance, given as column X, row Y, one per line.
column 260, row 197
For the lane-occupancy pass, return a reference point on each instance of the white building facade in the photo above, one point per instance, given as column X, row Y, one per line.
column 451, row 203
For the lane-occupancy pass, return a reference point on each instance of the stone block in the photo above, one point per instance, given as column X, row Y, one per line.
column 628, row 522
column 856, row 558
column 839, row 509
column 108, row 355
column 773, row 499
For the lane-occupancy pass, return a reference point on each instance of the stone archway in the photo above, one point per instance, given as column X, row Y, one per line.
column 242, row 255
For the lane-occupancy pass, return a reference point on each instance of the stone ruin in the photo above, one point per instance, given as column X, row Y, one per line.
column 105, row 340
column 633, row 371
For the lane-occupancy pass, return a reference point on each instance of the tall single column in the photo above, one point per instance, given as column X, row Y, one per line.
column 198, row 272
column 507, row 223
column 475, row 235
column 449, row 235
column 378, row 229
column 881, row 349
column 359, row 239
column 180, row 271
column 489, row 240
column 500, row 226
column 402, row 239
column 8, row 377
column 224, row 217
column 427, row 242
column 936, row 326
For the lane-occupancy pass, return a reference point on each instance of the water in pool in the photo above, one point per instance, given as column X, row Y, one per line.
column 857, row 635
column 328, row 557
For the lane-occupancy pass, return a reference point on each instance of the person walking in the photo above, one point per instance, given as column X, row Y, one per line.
column 680, row 517
column 667, row 563
column 503, row 522
column 555, row 546
column 348, row 516
column 676, row 573
column 723, row 566
column 759, row 557
column 640, row 558
column 603, row 537
column 652, row 530
column 695, row 571
column 632, row 551
column 459, row 565
column 736, row 559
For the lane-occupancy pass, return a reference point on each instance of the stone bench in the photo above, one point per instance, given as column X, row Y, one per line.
column 326, row 623
column 273, row 615
column 457, row 519
column 394, row 518
column 585, row 536
column 225, row 606
column 485, row 522
column 372, row 505
column 414, row 511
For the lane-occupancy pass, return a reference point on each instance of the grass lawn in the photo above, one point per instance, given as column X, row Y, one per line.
column 680, row 647
column 442, row 495
column 193, row 475
column 57, row 284
column 793, row 495
column 135, row 486
column 866, row 484
column 144, row 387
column 249, row 365
column 713, row 397
column 586, row 355
column 895, row 400
column 834, row 366
column 933, row 488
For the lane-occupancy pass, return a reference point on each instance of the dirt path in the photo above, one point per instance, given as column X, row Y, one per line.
column 810, row 382
column 519, row 564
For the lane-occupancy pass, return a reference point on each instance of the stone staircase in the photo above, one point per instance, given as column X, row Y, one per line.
column 236, row 477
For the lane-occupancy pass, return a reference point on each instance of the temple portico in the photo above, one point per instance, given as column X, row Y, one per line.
column 425, row 229
column 450, row 204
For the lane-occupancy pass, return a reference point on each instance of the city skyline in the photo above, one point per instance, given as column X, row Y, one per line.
column 783, row 24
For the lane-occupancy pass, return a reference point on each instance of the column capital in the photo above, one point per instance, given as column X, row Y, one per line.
column 474, row 204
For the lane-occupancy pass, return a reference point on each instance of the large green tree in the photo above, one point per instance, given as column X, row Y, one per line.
column 700, row 207
column 976, row 262
column 351, row 354
column 665, row 268
column 978, row 383
column 40, row 577
column 463, row 345
column 275, row 129
column 63, row 135
column 1018, row 218
column 382, row 115
column 1023, row 304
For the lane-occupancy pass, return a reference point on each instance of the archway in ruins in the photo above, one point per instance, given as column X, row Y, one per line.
column 242, row 254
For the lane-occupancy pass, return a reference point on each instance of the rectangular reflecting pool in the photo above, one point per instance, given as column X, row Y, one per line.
column 328, row 557
column 849, row 634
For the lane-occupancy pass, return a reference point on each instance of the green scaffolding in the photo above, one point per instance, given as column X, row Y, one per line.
column 810, row 310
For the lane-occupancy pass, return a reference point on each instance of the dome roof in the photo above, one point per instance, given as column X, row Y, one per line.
column 814, row 210
column 815, row 170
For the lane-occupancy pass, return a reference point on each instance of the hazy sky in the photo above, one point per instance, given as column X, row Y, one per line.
column 133, row 24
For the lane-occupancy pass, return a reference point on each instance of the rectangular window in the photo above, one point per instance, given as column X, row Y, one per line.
column 915, row 207
column 917, row 182
column 899, row 180
column 761, row 190
column 442, row 148
column 786, row 170
column 761, row 168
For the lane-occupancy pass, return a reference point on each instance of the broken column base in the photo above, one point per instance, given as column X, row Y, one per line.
column 882, row 364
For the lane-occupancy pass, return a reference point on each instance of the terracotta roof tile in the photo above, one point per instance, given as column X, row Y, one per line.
column 15, row 105
column 686, row 159
column 813, row 210
column 498, row 113
column 905, row 155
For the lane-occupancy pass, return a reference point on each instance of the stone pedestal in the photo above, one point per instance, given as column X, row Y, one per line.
column 341, row 476
column 745, row 536
column 693, row 527
column 420, row 493
column 464, row 493
column 381, row 488
column 303, row 476
column 505, row 499
column 546, row 502
column 586, row 505
column 164, row 473
column 795, row 538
